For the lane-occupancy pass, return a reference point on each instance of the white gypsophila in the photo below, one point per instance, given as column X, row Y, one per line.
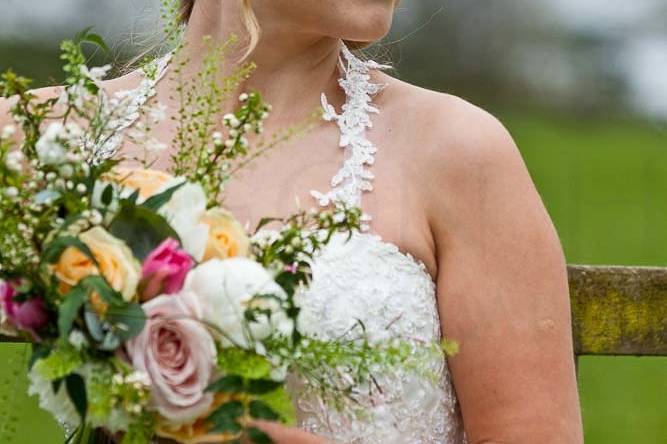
column 184, row 212
column 97, row 73
column 57, row 404
column 14, row 161
column 226, row 288
column 8, row 131
column 50, row 149
column 138, row 377
column 75, row 95
column 77, row 339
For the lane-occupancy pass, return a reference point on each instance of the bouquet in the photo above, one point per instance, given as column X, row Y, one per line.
column 151, row 310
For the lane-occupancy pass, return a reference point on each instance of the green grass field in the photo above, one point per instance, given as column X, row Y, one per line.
column 605, row 185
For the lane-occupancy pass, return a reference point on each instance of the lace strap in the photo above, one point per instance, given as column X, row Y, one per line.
column 130, row 103
column 353, row 178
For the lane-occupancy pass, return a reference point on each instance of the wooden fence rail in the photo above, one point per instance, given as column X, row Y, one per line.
column 615, row 310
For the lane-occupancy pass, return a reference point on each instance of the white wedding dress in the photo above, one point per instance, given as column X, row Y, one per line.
column 365, row 279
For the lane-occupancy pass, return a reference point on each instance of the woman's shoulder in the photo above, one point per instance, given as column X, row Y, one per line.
column 453, row 144
column 443, row 125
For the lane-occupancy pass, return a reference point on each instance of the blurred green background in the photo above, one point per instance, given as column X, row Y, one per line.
column 582, row 86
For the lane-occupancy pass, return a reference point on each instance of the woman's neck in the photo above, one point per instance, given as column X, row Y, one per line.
column 292, row 68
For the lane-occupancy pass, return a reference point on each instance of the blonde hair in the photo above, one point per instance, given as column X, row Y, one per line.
column 248, row 16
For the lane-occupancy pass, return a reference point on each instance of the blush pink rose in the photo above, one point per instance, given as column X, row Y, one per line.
column 29, row 315
column 177, row 352
column 164, row 270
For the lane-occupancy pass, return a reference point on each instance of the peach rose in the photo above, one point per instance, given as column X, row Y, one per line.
column 226, row 237
column 115, row 262
column 147, row 182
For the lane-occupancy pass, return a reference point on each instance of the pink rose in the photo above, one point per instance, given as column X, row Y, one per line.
column 29, row 315
column 164, row 270
column 177, row 352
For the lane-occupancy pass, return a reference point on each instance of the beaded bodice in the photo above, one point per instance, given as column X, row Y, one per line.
column 370, row 280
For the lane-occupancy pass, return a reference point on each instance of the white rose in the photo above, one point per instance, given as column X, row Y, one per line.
column 49, row 148
column 184, row 212
column 226, row 289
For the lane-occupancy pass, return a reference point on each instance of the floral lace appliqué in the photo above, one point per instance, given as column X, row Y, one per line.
column 353, row 178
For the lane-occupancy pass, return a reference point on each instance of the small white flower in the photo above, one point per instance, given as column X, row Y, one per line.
column 74, row 131
column 97, row 73
column 50, row 150
column 66, row 171
column 243, row 97
column 77, row 339
column 14, row 161
column 96, row 217
column 81, row 188
column 8, row 131
column 138, row 377
column 11, row 192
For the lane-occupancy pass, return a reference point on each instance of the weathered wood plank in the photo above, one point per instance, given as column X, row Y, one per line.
column 619, row 310
column 615, row 310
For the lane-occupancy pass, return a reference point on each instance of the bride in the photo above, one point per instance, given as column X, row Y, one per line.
column 457, row 241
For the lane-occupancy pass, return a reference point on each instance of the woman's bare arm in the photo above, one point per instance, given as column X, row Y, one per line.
column 502, row 287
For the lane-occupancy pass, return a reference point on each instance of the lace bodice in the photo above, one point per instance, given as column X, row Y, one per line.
column 371, row 280
column 391, row 292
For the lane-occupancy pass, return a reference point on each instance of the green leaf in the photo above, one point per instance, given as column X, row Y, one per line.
column 55, row 249
column 97, row 40
column 86, row 36
column 227, row 384
column 142, row 229
column 280, row 402
column 38, row 352
column 225, row 418
column 127, row 320
column 69, row 309
column 63, row 360
column 265, row 221
column 107, row 195
column 257, row 436
column 99, row 285
column 156, row 202
column 76, row 389
column 261, row 386
column 243, row 363
column 261, row 410
column 132, row 199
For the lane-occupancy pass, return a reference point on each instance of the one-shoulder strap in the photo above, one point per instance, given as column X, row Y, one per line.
column 126, row 106
column 354, row 177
